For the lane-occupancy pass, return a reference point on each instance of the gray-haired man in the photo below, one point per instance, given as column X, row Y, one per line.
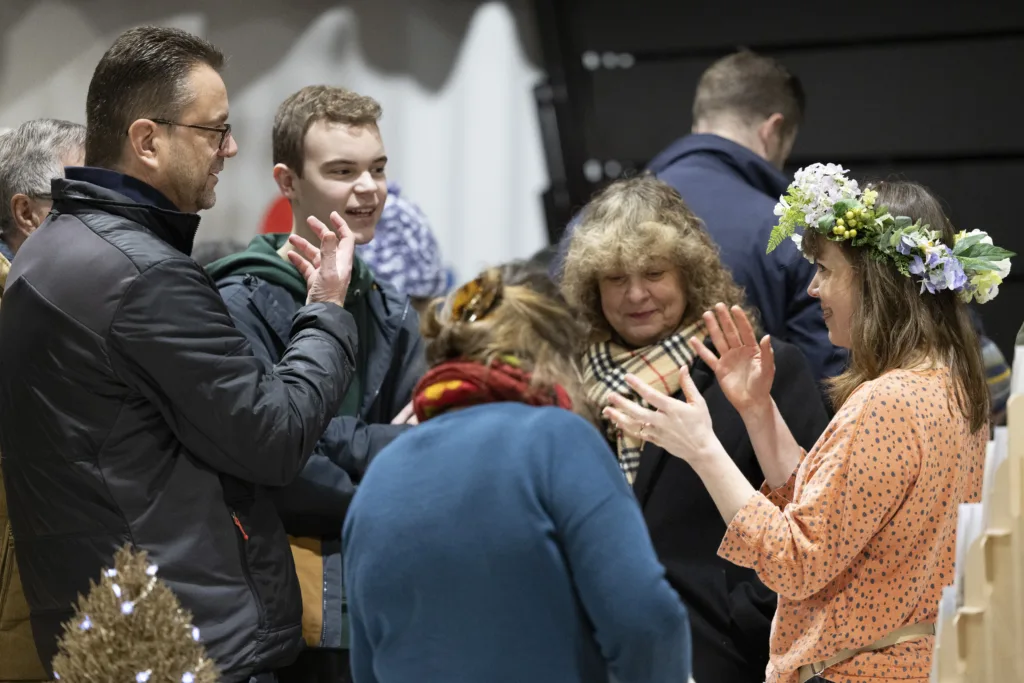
column 31, row 155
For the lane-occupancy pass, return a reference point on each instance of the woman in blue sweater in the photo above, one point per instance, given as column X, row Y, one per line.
column 498, row 540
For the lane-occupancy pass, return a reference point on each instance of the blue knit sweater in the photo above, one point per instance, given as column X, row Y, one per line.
column 501, row 544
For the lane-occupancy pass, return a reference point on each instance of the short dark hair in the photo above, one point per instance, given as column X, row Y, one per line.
column 143, row 74
column 309, row 105
column 752, row 87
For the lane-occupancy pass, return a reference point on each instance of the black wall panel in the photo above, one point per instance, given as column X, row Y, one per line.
column 878, row 101
column 923, row 92
column 660, row 25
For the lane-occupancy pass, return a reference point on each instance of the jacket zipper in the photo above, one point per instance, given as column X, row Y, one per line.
column 243, row 539
column 391, row 346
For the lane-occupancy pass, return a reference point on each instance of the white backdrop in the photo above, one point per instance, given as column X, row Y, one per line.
column 454, row 77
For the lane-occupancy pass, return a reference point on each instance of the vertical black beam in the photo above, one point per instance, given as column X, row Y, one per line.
column 559, row 101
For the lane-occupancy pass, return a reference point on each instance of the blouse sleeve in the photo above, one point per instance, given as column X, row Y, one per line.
column 845, row 490
column 783, row 495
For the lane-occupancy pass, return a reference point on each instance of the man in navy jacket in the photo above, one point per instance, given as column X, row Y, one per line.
column 746, row 113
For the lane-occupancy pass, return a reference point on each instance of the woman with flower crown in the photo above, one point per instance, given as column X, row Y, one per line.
column 857, row 535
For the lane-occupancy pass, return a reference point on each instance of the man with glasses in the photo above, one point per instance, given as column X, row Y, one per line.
column 134, row 412
column 328, row 156
column 31, row 156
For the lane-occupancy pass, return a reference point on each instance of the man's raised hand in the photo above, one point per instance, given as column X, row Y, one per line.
column 327, row 269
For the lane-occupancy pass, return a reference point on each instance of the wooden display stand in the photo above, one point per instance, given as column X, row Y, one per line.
column 983, row 640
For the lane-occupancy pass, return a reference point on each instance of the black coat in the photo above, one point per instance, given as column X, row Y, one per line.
column 134, row 411
column 316, row 502
column 730, row 609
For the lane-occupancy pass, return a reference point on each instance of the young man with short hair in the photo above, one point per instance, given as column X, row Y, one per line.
column 328, row 156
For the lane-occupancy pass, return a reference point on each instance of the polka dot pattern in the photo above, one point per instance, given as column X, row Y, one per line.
column 861, row 540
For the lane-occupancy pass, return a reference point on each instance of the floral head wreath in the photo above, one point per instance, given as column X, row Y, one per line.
column 822, row 198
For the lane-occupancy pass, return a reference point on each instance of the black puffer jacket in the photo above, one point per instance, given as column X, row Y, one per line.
column 134, row 411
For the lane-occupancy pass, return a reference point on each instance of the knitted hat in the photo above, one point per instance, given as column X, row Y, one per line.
column 404, row 251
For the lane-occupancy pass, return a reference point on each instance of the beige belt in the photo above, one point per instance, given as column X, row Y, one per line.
column 900, row 635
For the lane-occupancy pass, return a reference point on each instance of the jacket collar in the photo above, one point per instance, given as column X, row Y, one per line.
column 122, row 195
column 751, row 168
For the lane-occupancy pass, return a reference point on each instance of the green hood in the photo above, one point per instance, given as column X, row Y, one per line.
column 261, row 259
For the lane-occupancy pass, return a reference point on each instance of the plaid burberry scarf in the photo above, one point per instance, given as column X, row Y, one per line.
column 606, row 365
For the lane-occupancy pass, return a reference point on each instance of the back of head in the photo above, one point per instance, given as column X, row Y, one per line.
column 520, row 313
column 628, row 226
column 311, row 104
column 896, row 323
column 144, row 75
column 749, row 88
column 32, row 155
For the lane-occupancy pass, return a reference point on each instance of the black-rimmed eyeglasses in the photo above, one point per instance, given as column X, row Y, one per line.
column 224, row 130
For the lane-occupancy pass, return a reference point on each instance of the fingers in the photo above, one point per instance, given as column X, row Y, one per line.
column 631, row 409
column 728, row 326
column 767, row 356
column 305, row 267
column 341, row 227
column 328, row 245
column 319, row 229
column 745, row 327
column 305, row 249
column 648, row 393
column 715, row 332
column 627, row 424
column 403, row 417
column 690, row 390
column 346, row 240
column 705, row 354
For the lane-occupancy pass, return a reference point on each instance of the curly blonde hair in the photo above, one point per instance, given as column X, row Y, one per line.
column 531, row 321
column 627, row 226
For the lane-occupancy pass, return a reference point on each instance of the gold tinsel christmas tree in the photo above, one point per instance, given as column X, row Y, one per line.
column 131, row 627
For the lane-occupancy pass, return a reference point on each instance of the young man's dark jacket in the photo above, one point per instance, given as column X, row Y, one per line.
column 135, row 412
column 262, row 291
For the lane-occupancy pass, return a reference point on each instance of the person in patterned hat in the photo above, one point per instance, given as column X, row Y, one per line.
column 329, row 159
column 404, row 251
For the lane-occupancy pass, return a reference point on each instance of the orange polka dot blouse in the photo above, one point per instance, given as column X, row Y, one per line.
column 861, row 539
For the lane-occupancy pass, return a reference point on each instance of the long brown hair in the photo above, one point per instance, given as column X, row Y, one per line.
column 894, row 325
column 531, row 321
column 626, row 226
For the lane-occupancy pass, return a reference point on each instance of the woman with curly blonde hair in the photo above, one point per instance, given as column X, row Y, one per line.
column 643, row 271
column 496, row 541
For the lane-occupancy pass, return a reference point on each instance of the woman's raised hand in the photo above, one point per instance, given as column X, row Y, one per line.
column 744, row 368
